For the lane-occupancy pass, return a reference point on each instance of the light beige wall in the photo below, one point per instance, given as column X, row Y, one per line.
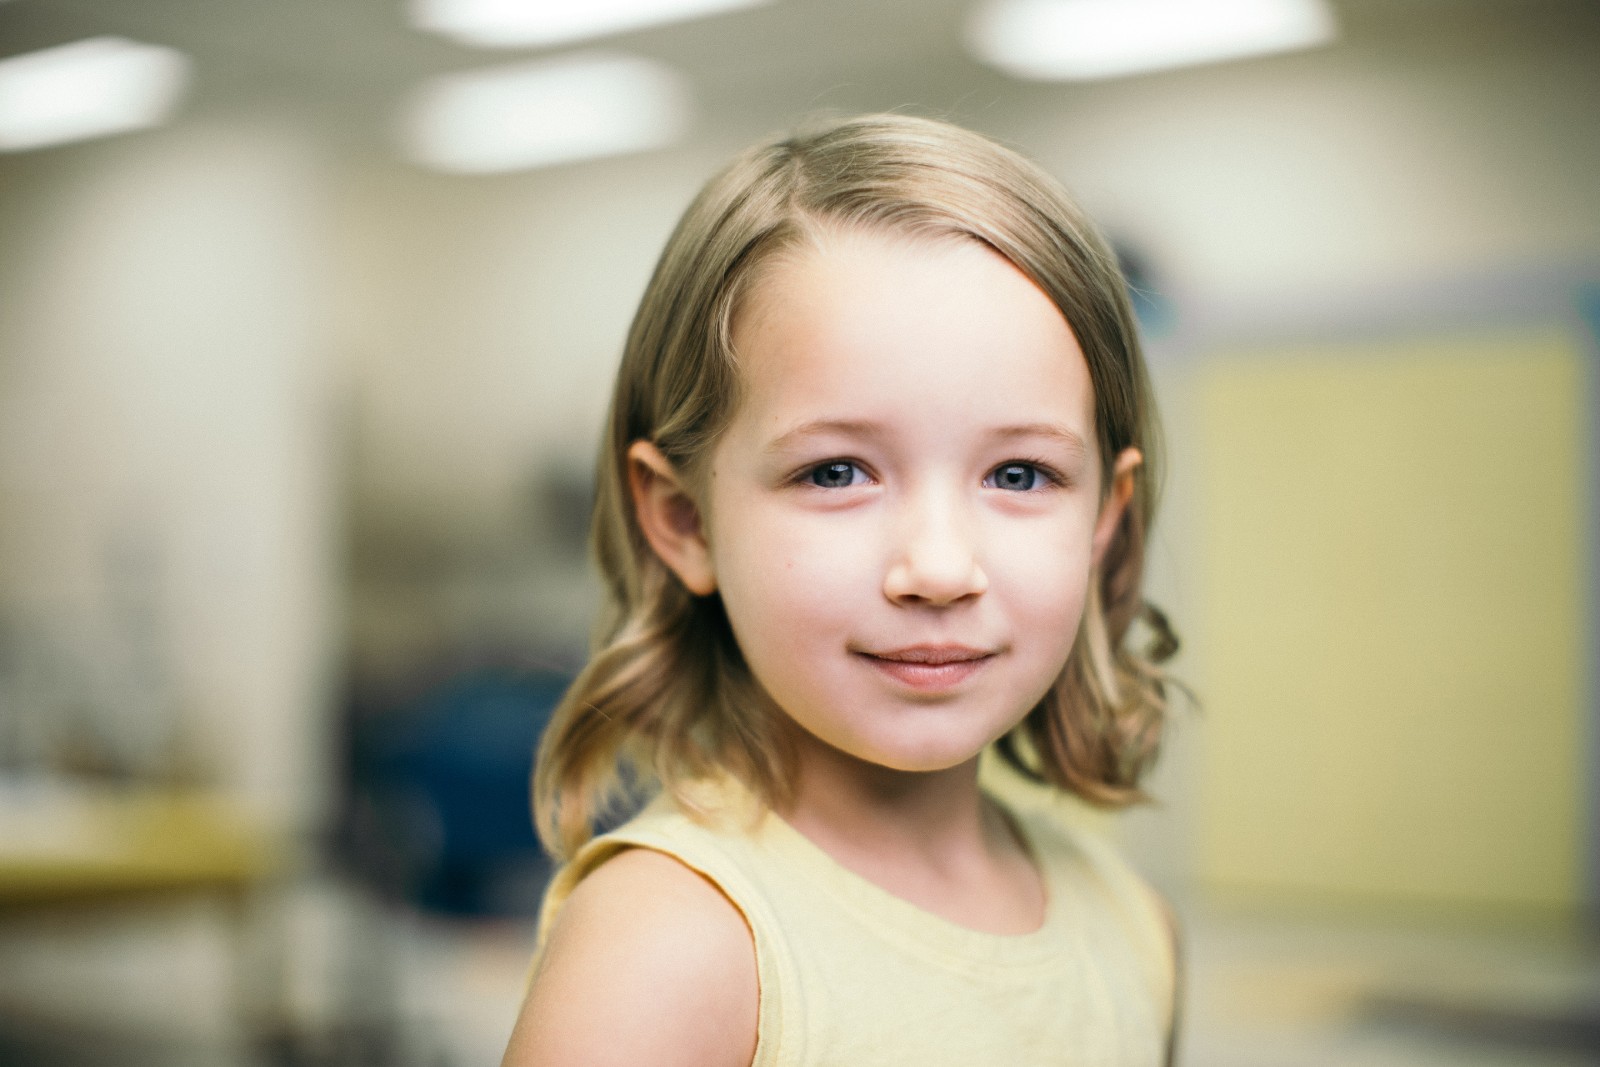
column 1265, row 187
column 166, row 398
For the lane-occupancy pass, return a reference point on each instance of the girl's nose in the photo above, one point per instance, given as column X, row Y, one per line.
column 936, row 565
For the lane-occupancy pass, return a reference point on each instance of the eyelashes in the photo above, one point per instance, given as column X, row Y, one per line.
column 836, row 474
column 1014, row 475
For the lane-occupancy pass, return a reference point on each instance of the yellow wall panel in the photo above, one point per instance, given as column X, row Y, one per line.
column 1392, row 603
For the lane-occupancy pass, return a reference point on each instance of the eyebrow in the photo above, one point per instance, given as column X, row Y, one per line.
column 1050, row 430
column 818, row 427
column 868, row 430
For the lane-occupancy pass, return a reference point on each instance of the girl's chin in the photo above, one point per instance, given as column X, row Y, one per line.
column 922, row 759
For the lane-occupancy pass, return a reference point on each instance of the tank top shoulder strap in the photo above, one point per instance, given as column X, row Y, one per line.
column 715, row 848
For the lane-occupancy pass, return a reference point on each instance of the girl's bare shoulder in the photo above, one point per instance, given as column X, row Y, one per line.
column 648, row 962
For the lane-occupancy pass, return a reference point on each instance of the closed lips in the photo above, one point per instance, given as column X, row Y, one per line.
column 930, row 669
column 930, row 655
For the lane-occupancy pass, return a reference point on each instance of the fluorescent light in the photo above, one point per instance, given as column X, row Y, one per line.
column 87, row 89
column 580, row 106
column 1076, row 40
column 523, row 23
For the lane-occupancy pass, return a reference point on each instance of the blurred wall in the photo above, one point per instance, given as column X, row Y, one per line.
column 1269, row 191
column 168, row 451
column 482, row 360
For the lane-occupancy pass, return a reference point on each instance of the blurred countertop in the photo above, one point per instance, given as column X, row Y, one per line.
column 63, row 839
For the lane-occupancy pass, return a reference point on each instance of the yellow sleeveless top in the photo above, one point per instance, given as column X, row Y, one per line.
column 851, row 975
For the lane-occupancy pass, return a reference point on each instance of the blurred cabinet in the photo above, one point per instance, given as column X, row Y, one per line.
column 1393, row 620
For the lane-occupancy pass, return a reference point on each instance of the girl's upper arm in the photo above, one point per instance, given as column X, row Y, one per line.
column 648, row 962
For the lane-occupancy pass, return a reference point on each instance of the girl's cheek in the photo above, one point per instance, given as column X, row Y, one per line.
column 816, row 566
column 1044, row 576
column 794, row 560
column 1058, row 550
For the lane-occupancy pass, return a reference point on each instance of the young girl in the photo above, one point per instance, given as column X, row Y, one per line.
column 874, row 499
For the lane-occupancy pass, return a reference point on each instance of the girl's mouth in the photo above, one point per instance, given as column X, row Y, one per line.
column 929, row 668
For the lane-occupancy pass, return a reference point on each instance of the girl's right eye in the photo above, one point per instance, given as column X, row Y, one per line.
column 836, row 474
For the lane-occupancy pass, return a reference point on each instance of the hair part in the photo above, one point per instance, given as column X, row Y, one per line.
column 667, row 695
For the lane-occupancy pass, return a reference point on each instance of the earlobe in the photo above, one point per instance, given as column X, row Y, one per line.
column 1115, row 503
column 669, row 517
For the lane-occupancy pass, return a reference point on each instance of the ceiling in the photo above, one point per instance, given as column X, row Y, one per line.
column 347, row 63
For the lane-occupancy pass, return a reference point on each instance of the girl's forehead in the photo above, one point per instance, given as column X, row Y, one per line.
column 840, row 275
column 865, row 321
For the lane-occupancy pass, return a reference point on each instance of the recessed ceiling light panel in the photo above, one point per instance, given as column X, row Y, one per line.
column 89, row 88
column 525, row 115
column 1076, row 40
column 528, row 23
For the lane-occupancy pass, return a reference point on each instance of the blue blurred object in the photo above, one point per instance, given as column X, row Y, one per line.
column 1152, row 307
column 439, row 814
column 1589, row 307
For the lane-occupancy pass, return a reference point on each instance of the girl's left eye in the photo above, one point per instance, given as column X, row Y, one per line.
column 1019, row 477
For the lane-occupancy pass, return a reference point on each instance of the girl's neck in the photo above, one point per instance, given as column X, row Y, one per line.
column 930, row 838
column 935, row 812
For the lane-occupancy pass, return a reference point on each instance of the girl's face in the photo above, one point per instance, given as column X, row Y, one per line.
column 902, row 516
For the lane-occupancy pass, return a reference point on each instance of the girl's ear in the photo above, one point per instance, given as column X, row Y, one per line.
column 669, row 517
column 1115, row 504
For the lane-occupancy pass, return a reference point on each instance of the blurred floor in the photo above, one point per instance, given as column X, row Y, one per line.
column 1264, row 992
column 1309, row 993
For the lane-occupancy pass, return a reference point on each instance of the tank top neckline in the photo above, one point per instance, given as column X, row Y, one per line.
column 910, row 924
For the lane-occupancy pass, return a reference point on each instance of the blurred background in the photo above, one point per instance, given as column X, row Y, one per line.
column 308, row 315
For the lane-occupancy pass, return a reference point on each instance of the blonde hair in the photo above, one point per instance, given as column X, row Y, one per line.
column 667, row 694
